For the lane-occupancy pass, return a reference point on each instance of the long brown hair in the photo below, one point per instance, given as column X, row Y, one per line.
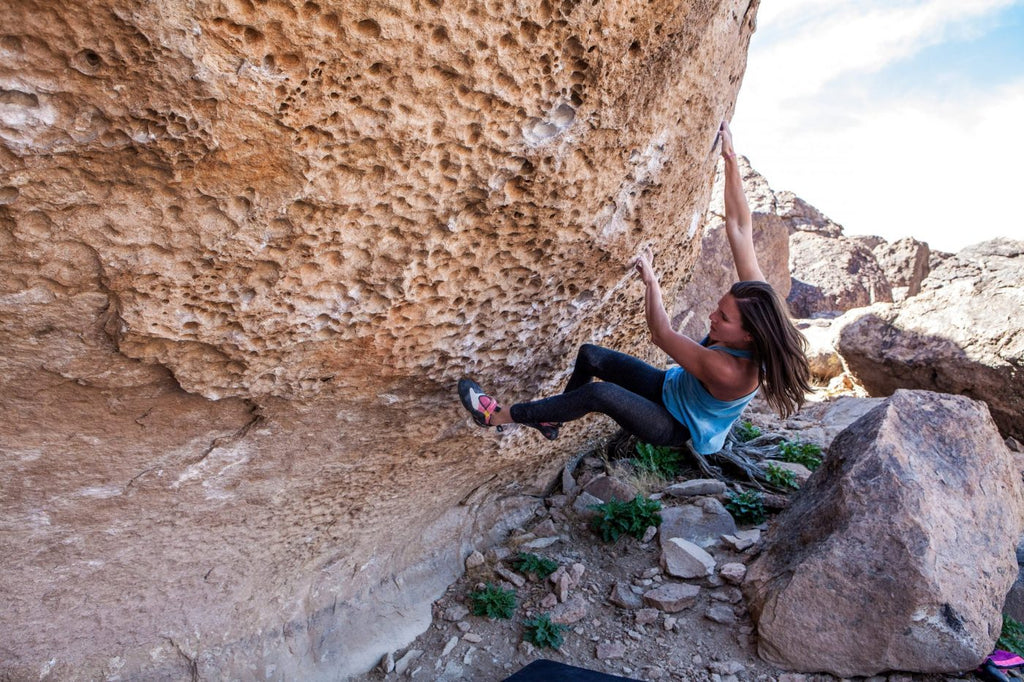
column 779, row 347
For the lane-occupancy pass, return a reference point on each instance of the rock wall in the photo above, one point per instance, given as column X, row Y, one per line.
column 246, row 248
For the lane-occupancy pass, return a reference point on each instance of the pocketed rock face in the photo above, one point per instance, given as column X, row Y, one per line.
column 895, row 555
column 318, row 214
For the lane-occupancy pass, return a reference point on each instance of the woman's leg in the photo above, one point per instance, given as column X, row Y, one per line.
column 595, row 362
column 644, row 418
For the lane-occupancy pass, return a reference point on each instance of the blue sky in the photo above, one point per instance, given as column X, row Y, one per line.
column 896, row 118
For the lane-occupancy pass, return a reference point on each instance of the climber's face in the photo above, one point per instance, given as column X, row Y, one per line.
column 727, row 325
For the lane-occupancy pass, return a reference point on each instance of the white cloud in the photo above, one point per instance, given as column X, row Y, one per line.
column 926, row 165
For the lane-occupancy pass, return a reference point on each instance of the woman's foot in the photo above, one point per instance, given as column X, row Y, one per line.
column 481, row 406
column 547, row 429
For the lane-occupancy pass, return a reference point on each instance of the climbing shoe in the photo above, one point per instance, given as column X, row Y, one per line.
column 480, row 405
column 547, row 429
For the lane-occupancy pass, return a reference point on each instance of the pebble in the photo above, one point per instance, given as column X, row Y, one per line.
column 672, row 597
column 472, row 637
column 649, row 534
column 609, row 650
column 727, row 594
column 549, row 600
column 474, row 560
column 455, row 612
column 727, row 667
column 646, row 616
column 387, row 663
column 623, row 596
column 541, row 543
column 510, row 576
column 402, row 664
column 449, row 646
column 670, row 622
column 720, row 613
column 733, row 573
column 463, row 626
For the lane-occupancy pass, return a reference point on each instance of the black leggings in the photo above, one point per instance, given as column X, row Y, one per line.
column 629, row 392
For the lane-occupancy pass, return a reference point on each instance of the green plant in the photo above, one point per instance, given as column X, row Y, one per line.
column 540, row 631
column 632, row 518
column 493, row 601
column 1012, row 636
column 746, row 507
column 531, row 563
column 746, row 431
column 660, row 460
column 799, row 452
column 781, row 477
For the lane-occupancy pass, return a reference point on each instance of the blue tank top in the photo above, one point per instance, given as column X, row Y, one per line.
column 707, row 417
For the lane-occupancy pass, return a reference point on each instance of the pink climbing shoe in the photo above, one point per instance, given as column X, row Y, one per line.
column 480, row 405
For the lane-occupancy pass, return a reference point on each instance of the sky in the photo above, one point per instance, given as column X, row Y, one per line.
column 899, row 118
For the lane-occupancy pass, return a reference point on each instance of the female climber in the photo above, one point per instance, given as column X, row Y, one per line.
column 751, row 345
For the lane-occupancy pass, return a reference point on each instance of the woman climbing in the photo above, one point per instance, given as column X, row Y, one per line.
column 751, row 345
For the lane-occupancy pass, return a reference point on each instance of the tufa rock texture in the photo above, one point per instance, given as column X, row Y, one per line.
column 961, row 334
column 899, row 539
column 248, row 245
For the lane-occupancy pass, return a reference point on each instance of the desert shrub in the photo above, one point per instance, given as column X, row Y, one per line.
column 615, row 518
column 746, row 431
column 746, row 507
column 1012, row 636
column 781, row 477
column 531, row 563
column 493, row 601
column 659, row 460
column 541, row 632
column 799, row 452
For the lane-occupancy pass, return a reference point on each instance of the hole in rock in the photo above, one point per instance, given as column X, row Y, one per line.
column 19, row 98
column 368, row 28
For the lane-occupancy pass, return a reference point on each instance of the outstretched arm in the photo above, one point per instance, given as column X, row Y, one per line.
column 739, row 226
column 717, row 371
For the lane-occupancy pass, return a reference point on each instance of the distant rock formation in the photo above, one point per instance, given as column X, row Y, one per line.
column 963, row 334
column 247, row 248
column 898, row 551
column 833, row 274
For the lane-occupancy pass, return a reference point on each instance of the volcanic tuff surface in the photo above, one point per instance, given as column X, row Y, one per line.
column 246, row 249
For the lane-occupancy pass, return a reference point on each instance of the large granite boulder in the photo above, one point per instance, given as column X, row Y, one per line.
column 714, row 272
column 905, row 263
column 899, row 550
column 964, row 333
column 833, row 274
column 245, row 250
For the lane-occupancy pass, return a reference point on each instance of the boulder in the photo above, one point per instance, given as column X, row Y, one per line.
column 905, row 263
column 800, row 216
column 247, row 248
column 822, row 355
column 964, row 334
column 894, row 556
column 833, row 274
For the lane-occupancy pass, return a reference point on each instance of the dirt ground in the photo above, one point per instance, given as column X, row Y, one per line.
column 712, row 640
